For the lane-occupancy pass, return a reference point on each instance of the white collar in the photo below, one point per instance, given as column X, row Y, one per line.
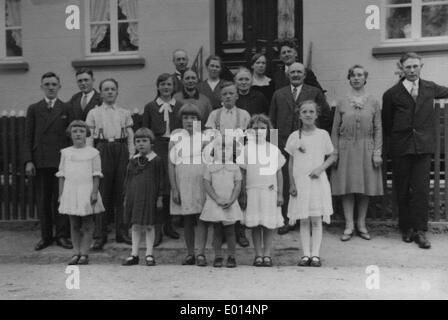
column 107, row 106
column 408, row 84
column 230, row 110
column 89, row 95
column 299, row 88
column 53, row 101
column 160, row 102
column 265, row 82
column 149, row 156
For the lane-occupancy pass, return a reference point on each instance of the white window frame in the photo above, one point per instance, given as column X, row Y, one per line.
column 416, row 27
column 3, row 28
column 114, row 48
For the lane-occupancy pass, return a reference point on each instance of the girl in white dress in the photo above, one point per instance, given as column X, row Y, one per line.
column 79, row 178
column 262, row 188
column 309, row 186
column 186, row 171
column 222, row 182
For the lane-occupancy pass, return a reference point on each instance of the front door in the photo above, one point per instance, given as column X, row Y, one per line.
column 245, row 27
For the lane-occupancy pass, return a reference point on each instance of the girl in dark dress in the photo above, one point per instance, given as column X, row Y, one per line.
column 143, row 195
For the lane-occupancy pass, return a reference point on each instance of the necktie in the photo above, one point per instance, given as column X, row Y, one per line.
column 49, row 105
column 414, row 91
column 294, row 93
column 84, row 101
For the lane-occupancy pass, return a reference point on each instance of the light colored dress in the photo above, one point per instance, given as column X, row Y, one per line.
column 313, row 195
column 261, row 162
column 357, row 136
column 78, row 166
column 222, row 178
column 189, row 171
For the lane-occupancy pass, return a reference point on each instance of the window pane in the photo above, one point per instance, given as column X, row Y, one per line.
column 399, row 1
column 127, row 9
column 435, row 21
column 399, row 23
column 100, row 38
column 286, row 19
column 14, row 43
column 12, row 13
column 234, row 20
column 128, row 36
column 99, row 10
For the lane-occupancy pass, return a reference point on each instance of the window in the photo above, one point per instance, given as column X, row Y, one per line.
column 112, row 27
column 10, row 29
column 416, row 20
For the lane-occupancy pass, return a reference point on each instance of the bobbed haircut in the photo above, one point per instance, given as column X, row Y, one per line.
column 144, row 132
column 77, row 124
column 189, row 109
column 115, row 82
column 161, row 78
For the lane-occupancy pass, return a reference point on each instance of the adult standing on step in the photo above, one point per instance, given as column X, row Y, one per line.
column 87, row 98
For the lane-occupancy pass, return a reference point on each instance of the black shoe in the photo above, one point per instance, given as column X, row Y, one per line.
column 169, row 231
column 99, row 244
column 283, row 230
column 408, row 235
column 158, row 238
column 189, row 260
column 84, row 259
column 420, row 239
column 231, row 262
column 131, row 261
column 74, row 260
column 42, row 244
column 124, row 238
column 242, row 240
column 64, row 243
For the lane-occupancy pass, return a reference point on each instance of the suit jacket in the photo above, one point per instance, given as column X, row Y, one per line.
column 214, row 96
column 282, row 111
column 178, row 85
column 76, row 112
column 45, row 134
column 281, row 80
column 408, row 125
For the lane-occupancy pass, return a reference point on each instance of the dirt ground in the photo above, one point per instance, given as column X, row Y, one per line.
column 397, row 271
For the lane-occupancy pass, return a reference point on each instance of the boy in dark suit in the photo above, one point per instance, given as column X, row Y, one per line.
column 408, row 124
column 288, row 55
column 45, row 125
column 85, row 100
column 283, row 118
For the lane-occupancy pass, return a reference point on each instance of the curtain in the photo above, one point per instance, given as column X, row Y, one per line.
column 99, row 11
column 13, row 19
column 129, row 9
column 234, row 20
column 286, row 19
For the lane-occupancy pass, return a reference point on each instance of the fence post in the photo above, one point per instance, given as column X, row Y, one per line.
column 21, row 138
column 444, row 103
column 437, row 163
column 4, row 142
column 13, row 151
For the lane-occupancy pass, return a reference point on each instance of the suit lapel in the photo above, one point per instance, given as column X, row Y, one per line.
column 289, row 98
column 95, row 101
column 303, row 95
column 421, row 91
column 58, row 108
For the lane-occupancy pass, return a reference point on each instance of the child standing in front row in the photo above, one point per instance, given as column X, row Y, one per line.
column 309, row 185
column 143, row 195
column 262, row 188
column 79, row 178
column 222, row 182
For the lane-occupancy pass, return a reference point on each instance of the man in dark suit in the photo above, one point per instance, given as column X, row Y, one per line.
column 85, row 100
column 45, row 125
column 408, row 124
column 180, row 61
column 288, row 55
column 284, row 119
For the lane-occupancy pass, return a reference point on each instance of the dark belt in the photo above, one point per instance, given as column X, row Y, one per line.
column 121, row 140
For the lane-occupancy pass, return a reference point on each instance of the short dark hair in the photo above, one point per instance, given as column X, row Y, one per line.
column 409, row 55
column 50, row 75
column 106, row 80
column 144, row 132
column 77, row 124
column 213, row 57
column 161, row 78
column 84, row 70
column 189, row 69
column 189, row 109
column 352, row 70
column 226, row 84
column 287, row 43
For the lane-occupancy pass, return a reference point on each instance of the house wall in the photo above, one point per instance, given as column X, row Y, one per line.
column 340, row 40
column 49, row 46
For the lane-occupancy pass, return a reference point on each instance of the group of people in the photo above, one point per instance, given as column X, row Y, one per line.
column 143, row 179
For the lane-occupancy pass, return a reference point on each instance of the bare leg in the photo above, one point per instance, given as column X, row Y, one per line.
column 136, row 236
column 231, row 239
column 348, row 203
column 217, row 238
column 88, row 227
column 316, row 237
column 189, row 232
column 268, row 237
column 305, row 236
column 150, row 237
column 363, row 204
column 202, row 235
column 75, row 230
column 256, row 237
